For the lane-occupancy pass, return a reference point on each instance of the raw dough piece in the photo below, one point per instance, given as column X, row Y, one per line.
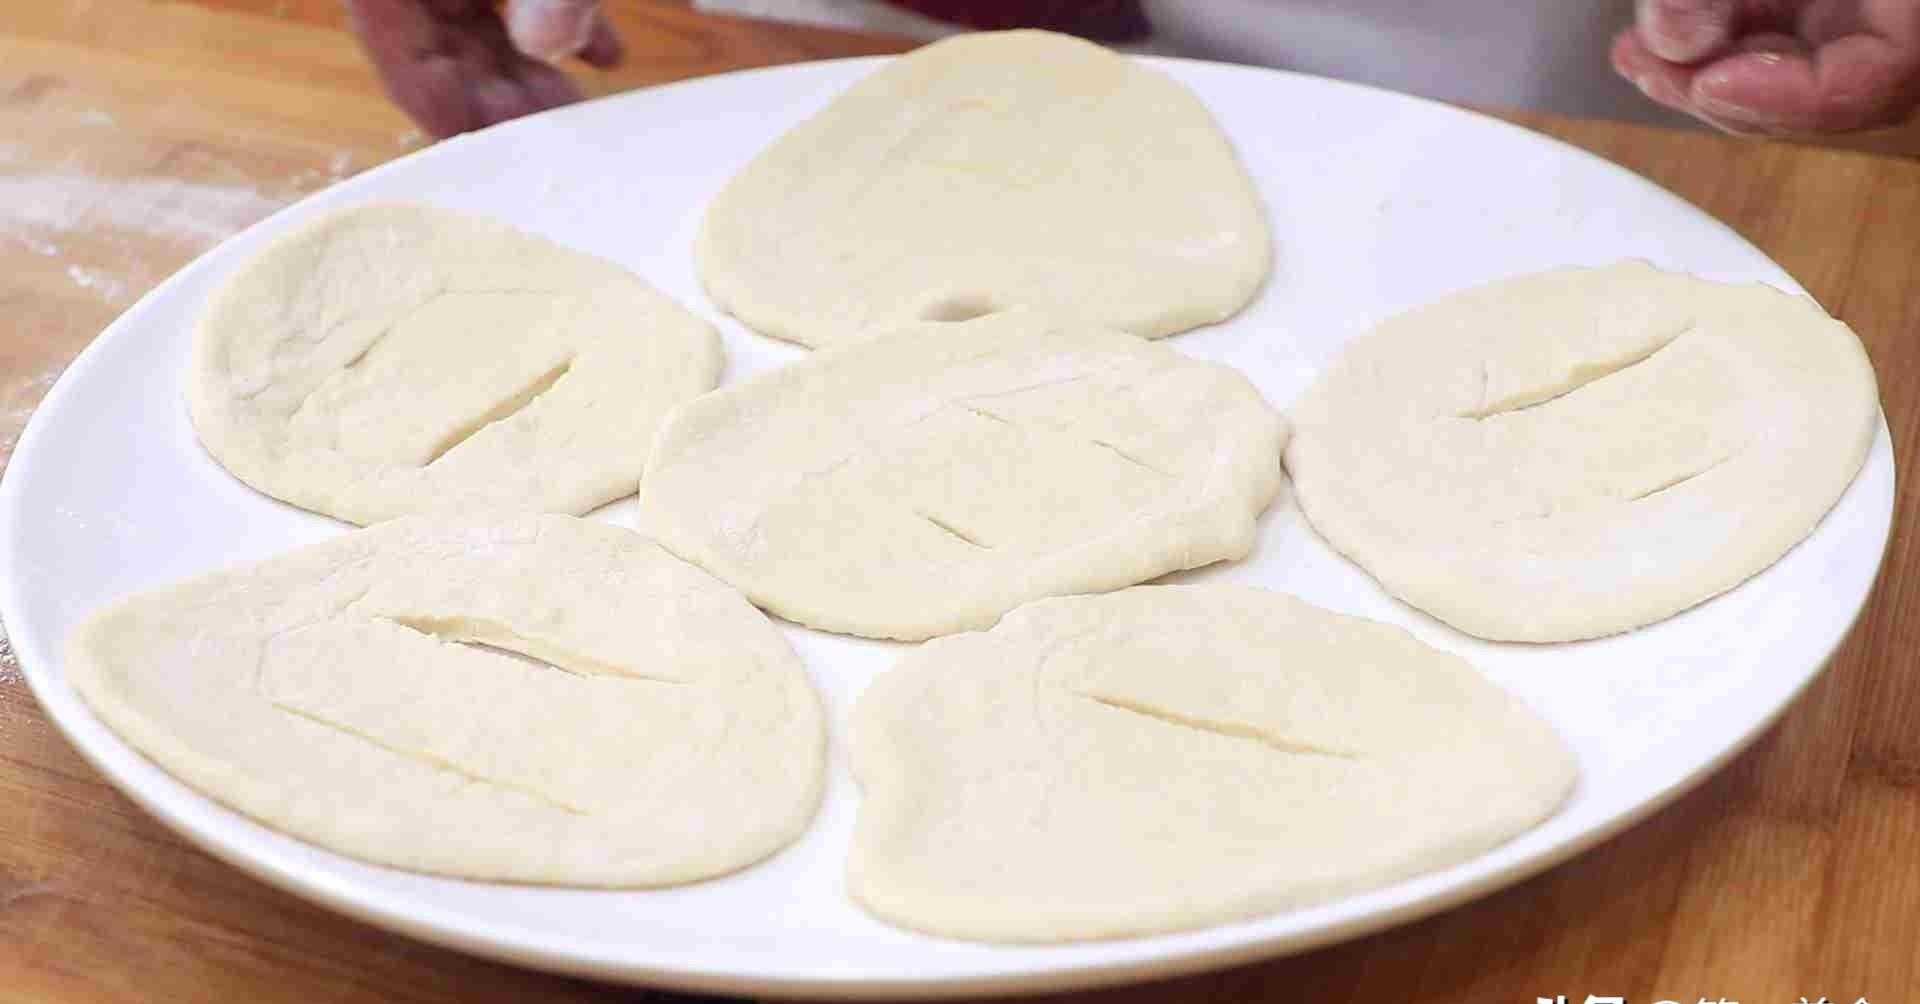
column 399, row 359
column 1168, row 757
column 359, row 694
column 989, row 171
column 935, row 477
column 1581, row 452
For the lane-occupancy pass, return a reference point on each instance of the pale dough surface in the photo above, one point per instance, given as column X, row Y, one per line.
column 989, row 171
column 396, row 359
column 1168, row 757
column 1577, row 453
column 330, row 693
column 932, row 478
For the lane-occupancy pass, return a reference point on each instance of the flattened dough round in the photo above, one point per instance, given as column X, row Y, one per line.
column 984, row 172
column 399, row 359
column 1582, row 452
column 932, row 478
column 653, row 729
column 1168, row 757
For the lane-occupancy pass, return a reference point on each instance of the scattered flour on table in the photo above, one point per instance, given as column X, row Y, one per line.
column 9, row 664
column 54, row 213
column 17, row 402
column 109, row 287
column 187, row 212
column 340, row 166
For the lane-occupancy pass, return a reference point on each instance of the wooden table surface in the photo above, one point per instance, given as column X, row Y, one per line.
column 135, row 134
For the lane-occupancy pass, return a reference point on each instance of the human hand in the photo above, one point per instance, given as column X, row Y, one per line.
column 457, row 65
column 1777, row 67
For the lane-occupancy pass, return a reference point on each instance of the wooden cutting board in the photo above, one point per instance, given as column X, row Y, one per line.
column 136, row 134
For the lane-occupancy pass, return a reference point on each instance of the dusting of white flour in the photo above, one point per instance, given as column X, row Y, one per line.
column 18, row 401
column 186, row 212
column 9, row 665
column 107, row 286
column 50, row 212
column 113, row 237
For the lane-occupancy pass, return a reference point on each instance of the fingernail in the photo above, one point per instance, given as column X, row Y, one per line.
column 1655, row 89
column 1682, row 32
column 1742, row 116
column 549, row 30
column 1721, row 106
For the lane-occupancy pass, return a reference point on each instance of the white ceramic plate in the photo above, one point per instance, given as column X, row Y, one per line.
column 1378, row 202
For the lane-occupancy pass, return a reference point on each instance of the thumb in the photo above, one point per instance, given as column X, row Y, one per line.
column 551, row 30
column 1684, row 31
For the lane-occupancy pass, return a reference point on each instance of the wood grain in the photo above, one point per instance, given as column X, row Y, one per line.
column 135, row 134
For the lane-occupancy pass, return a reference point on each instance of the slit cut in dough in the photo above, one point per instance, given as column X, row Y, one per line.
column 1169, row 757
column 399, row 359
column 1582, row 452
column 984, row 172
column 532, row 699
column 930, row 479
